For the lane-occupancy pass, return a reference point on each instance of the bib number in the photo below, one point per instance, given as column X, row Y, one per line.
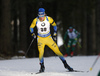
column 43, row 29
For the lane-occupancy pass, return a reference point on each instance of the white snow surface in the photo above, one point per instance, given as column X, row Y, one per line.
column 53, row 66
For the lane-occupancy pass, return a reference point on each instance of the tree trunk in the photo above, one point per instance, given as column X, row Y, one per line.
column 23, row 25
column 5, row 36
column 15, row 24
column 93, row 32
column 84, row 28
column 98, row 25
column 84, row 34
column 89, row 34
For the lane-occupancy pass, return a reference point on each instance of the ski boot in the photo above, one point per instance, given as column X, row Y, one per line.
column 67, row 66
column 72, row 53
column 42, row 68
column 65, row 55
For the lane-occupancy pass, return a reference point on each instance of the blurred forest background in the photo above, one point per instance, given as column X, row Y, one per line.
column 16, row 16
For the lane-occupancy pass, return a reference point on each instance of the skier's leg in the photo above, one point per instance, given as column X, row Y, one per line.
column 65, row 64
column 72, row 51
column 73, row 47
column 68, row 48
column 56, row 50
column 67, row 51
column 42, row 68
column 41, row 52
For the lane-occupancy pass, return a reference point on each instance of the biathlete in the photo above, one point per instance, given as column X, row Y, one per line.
column 73, row 36
column 42, row 22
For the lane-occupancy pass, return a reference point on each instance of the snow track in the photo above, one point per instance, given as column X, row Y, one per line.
column 53, row 66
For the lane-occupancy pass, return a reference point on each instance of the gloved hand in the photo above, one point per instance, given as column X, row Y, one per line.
column 76, row 39
column 55, row 36
column 33, row 35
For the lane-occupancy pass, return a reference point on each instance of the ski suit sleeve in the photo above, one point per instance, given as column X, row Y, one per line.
column 52, row 22
column 65, row 36
column 33, row 24
column 78, row 34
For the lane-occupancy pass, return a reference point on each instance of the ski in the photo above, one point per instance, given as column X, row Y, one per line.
column 39, row 72
column 76, row 71
column 66, row 71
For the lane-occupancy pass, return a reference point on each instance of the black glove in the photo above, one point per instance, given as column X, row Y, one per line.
column 33, row 35
column 55, row 36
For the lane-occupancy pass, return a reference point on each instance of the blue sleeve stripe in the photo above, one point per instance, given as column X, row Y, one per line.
column 47, row 18
column 31, row 30
column 55, row 28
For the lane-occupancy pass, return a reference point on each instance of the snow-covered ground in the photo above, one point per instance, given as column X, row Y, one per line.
column 53, row 66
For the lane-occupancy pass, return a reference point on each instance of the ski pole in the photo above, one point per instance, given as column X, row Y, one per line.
column 79, row 45
column 95, row 62
column 65, row 46
column 29, row 46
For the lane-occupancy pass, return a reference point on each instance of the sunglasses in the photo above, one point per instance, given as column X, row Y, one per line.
column 41, row 15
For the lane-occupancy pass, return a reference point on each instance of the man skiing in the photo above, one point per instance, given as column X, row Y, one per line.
column 42, row 22
column 73, row 36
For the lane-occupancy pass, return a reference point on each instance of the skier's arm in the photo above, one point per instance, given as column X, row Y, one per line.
column 33, row 24
column 52, row 22
column 78, row 34
column 65, row 36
